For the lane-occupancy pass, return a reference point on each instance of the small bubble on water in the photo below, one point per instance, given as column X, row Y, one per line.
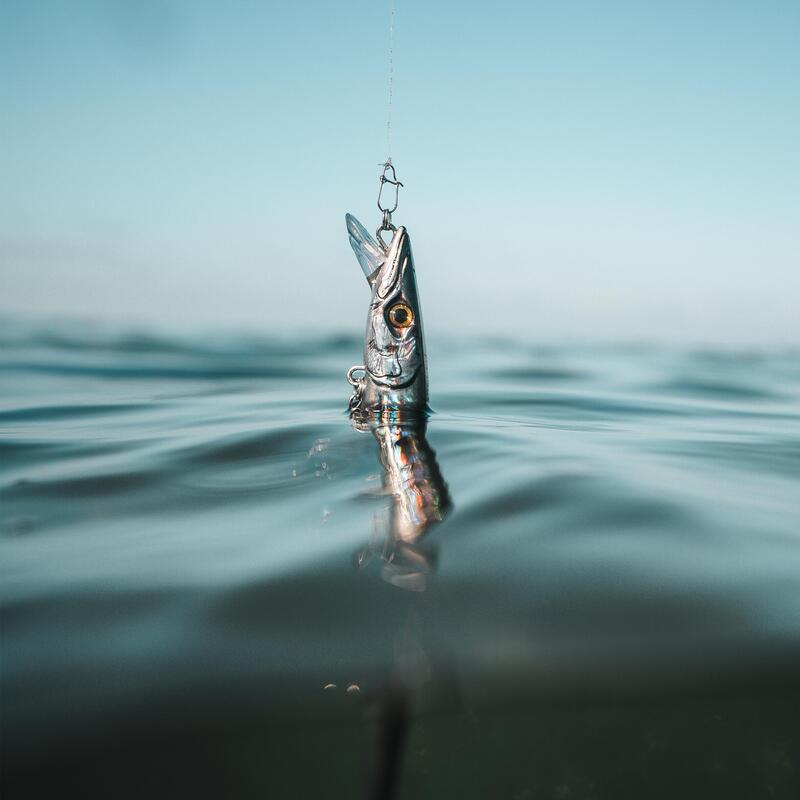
column 319, row 446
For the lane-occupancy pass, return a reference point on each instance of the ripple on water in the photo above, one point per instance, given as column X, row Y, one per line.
column 180, row 510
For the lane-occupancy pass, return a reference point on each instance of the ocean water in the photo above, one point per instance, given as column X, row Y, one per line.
column 580, row 580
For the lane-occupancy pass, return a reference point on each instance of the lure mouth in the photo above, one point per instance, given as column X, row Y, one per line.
column 371, row 256
column 395, row 381
column 391, row 363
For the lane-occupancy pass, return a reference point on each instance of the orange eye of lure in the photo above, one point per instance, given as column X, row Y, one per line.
column 400, row 315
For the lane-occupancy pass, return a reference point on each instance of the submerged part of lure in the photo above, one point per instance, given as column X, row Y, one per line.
column 419, row 500
column 394, row 375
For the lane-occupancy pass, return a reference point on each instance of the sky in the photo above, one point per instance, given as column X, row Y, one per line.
column 573, row 170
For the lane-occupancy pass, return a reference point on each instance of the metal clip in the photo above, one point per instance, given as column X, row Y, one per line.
column 386, row 222
column 358, row 386
column 396, row 183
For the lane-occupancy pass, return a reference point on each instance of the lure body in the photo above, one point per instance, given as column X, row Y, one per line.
column 411, row 476
column 419, row 500
column 395, row 376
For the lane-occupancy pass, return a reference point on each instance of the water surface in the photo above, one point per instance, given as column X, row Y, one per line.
column 200, row 592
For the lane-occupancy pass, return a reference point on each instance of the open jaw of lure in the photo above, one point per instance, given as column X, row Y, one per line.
column 394, row 357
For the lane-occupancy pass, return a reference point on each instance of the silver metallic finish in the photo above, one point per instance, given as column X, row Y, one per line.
column 419, row 499
column 395, row 376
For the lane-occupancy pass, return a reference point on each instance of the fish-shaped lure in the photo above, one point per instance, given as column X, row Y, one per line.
column 395, row 376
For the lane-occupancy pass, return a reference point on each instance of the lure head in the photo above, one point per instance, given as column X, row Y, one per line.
column 394, row 352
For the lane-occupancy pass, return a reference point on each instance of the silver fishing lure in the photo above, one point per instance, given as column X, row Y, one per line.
column 394, row 375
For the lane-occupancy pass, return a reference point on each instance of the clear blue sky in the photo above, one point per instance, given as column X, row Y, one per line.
column 573, row 169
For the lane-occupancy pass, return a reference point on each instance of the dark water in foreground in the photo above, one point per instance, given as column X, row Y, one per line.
column 194, row 544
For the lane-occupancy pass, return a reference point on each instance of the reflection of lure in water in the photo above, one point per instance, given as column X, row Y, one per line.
column 394, row 371
column 419, row 499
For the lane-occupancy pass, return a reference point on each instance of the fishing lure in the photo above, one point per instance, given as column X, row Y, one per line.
column 394, row 375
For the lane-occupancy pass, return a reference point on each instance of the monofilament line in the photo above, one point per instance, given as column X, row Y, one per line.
column 391, row 84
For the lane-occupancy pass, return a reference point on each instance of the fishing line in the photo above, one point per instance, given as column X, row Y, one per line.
column 391, row 84
column 388, row 175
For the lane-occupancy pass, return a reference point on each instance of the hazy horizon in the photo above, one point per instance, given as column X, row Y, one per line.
column 594, row 171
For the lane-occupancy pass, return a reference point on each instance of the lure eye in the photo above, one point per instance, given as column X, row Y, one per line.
column 400, row 315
